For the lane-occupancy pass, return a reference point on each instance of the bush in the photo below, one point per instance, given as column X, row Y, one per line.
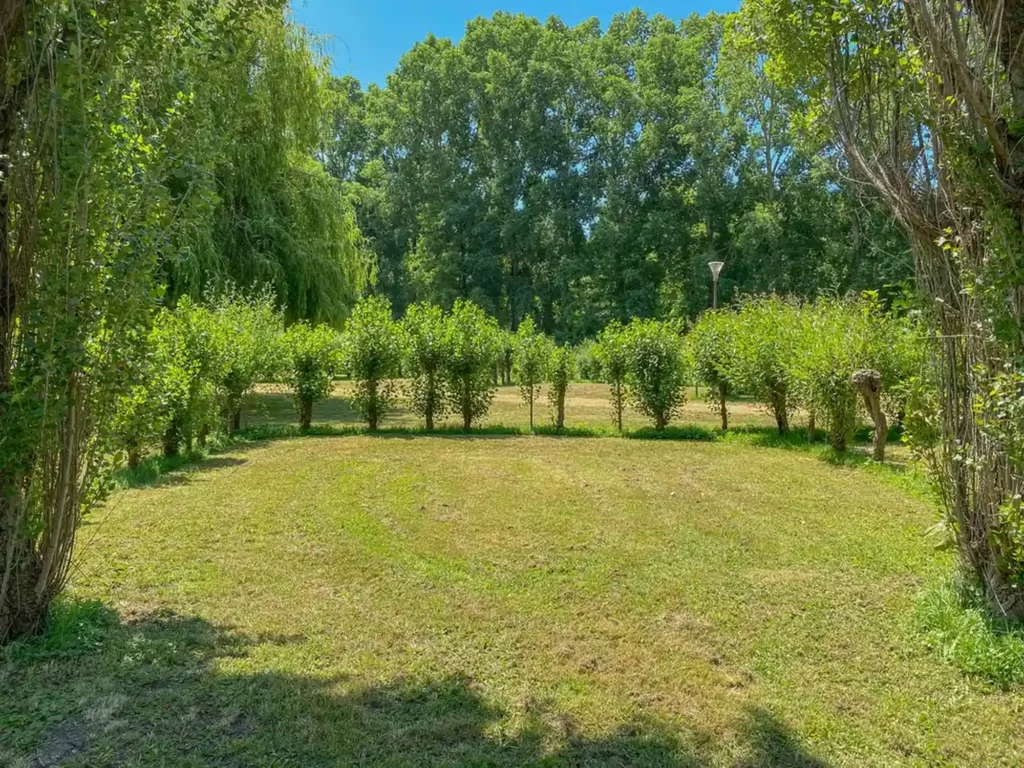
column 472, row 346
column 192, row 345
column 530, row 358
column 712, row 346
column 611, row 352
column 655, row 372
column 832, row 342
column 312, row 360
column 423, row 331
column 588, row 366
column 764, row 344
column 370, row 353
column 143, row 409
column 252, row 331
column 561, row 369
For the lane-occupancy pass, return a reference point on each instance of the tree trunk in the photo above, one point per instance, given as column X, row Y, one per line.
column 23, row 607
column 172, row 438
column 204, row 432
column 236, row 419
column 781, row 413
column 660, row 421
column 722, row 388
column 618, row 406
column 134, row 456
column 810, row 427
column 429, row 416
column 373, row 405
column 838, row 438
column 531, row 411
column 306, row 416
column 560, row 418
column 869, row 385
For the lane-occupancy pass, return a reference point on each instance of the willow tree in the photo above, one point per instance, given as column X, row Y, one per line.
column 927, row 100
column 106, row 111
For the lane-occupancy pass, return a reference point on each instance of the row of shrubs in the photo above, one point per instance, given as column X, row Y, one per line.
column 203, row 359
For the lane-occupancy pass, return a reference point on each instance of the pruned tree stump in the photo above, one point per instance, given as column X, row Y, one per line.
column 869, row 384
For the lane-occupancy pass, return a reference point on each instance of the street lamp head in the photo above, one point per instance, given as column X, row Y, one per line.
column 716, row 267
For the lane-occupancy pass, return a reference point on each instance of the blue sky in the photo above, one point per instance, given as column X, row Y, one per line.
column 367, row 37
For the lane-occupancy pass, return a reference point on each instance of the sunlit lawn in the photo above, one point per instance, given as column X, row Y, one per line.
column 411, row 600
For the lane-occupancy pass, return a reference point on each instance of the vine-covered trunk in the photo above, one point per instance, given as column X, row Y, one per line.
column 372, row 404
column 560, row 411
column 306, row 414
column 531, row 411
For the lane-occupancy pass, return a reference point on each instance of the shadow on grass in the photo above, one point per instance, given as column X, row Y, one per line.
column 97, row 689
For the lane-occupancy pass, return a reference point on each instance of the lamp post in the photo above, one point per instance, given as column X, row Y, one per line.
column 716, row 268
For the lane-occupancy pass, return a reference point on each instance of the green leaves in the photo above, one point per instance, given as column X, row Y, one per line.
column 312, row 353
column 655, row 373
column 531, row 356
column 472, row 345
column 371, row 352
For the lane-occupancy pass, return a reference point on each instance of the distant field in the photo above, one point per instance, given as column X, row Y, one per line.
column 405, row 600
column 587, row 405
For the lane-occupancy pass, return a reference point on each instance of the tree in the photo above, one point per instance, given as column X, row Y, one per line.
column 471, row 348
column 423, row 330
column 763, row 348
column 371, row 352
column 927, row 103
column 562, row 369
column 655, row 375
column 312, row 361
column 531, row 356
column 613, row 355
column 252, row 330
column 712, row 342
column 194, row 345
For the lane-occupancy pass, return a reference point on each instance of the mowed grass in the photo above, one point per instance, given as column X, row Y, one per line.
column 502, row 601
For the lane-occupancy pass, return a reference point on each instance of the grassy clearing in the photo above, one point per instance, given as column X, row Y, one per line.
column 503, row 600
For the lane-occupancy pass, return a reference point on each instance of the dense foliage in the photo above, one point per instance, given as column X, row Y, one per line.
column 655, row 372
column 370, row 353
column 561, row 371
column 712, row 344
column 312, row 353
column 581, row 175
column 148, row 152
column 424, row 328
column 926, row 102
column 472, row 345
column 531, row 356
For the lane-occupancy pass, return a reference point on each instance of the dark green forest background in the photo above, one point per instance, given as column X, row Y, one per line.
column 581, row 175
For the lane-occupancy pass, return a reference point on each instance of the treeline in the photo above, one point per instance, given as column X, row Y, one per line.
column 821, row 356
column 581, row 176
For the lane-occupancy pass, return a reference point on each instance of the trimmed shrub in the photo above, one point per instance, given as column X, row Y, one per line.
column 370, row 353
column 252, row 330
column 472, row 346
column 423, row 331
column 193, row 346
column 312, row 360
column 712, row 346
column 655, row 373
column 530, row 358
column 764, row 343
column 561, row 369
column 612, row 354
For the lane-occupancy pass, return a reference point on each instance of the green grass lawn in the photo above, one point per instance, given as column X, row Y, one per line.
column 492, row 600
